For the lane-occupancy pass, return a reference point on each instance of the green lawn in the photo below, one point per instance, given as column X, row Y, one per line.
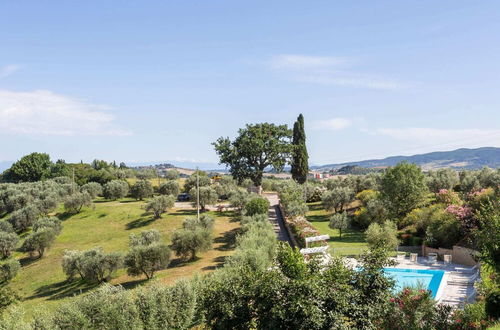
column 352, row 241
column 108, row 224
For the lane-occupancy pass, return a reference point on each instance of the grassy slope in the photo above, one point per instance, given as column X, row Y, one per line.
column 109, row 225
column 352, row 241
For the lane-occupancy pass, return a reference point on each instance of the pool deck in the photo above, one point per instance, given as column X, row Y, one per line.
column 457, row 285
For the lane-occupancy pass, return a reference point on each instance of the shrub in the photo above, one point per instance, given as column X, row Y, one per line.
column 382, row 236
column 171, row 187
column 238, row 198
column 8, row 242
column 160, row 204
column 94, row 189
column 6, row 227
column 257, row 205
column 188, row 242
column 115, row 189
column 443, row 231
column 74, row 203
column 492, row 306
column 337, row 198
column 8, row 270
column 142, row 189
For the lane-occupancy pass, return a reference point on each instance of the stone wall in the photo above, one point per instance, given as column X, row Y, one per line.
column 459, row 255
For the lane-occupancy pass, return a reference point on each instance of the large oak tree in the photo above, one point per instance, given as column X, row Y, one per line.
column 257, row 147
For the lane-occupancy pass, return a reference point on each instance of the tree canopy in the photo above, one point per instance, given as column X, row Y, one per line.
column 256, row 148
column 300, row 166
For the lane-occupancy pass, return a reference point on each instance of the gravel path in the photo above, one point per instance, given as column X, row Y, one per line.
column 277, row 219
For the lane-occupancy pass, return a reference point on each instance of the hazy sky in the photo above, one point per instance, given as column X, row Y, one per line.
column 161, row 80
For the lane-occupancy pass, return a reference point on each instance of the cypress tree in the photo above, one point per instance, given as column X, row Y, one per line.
column 300, row 166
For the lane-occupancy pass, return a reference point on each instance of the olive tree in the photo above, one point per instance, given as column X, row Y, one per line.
column 147, row 254
column 8, row 270
column 74, row 203
column 172, row 174
column 93, row 265
column 39, row 241
column 205, row 222
column 160, row 204
column 199, row 178
column 257, row 147
column 337, row 198
column 94, row 189
column 188, row 242
column 23, row 218
column 339, row 221
column 208, row 196
column 8, row 242
column 142, row 189
column 48, row 222
column 445, row 178
column 171, row 187
column 115, row 189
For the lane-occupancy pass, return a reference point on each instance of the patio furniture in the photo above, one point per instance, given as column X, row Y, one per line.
column 447, row 258
column 413, row 257
column 401, row 256
column 431, row 257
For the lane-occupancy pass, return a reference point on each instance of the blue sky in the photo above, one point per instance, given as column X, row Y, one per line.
column 140, row 81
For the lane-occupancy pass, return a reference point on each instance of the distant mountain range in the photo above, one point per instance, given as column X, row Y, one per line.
column 458, row 159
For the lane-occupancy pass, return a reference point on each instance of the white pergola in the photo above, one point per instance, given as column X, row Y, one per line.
column 315, row 250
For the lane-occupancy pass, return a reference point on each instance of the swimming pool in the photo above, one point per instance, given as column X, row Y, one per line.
column 430, row 279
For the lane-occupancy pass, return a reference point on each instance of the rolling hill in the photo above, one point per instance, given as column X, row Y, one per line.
column 458, row 159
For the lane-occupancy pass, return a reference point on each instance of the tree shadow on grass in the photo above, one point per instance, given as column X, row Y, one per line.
column 62, row 289
column 133, row 284
column 141, row 222
column 315, row 206
column 181, row 262
column 26, row 261
column 184, row 212
column 318, row 218
column 64, row 216
column 219, row 262
column 227, row 240
column 349, row 236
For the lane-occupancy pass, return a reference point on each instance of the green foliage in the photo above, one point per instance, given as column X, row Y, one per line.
column 205, row 222
column 188, row 242
column 172, row 175
column 171, row 187
column 115, row 189
column 92, row 265
column 147, row 259
column 23, row 218
column 487, row 236
column 146, row 237
column 445, row 178
column 141, row 189
column 33, row 167
column 339, row 221
column 292, row 199
column 8, row 242
column 48, row 222
column 38, row 241
column 443, row 230
column 75, row 202
column 382, row 236
column 203, row 180
column 166, row 307
column 7, row 298
column 492, row 306
column 258, row 205
column 160, row 204
column 256, row 148
column 8, row 270
column 6, row 227
column 238, row 198
column 94, row 189
column 337, row 198
column 403, row 188
column 300, row 157
column 415, row 309
column 208, row 196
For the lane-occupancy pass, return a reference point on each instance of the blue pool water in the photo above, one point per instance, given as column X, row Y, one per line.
column 430, row 279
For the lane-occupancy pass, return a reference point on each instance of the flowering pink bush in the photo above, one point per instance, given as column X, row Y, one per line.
column 461, row 212
column 446, row 196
